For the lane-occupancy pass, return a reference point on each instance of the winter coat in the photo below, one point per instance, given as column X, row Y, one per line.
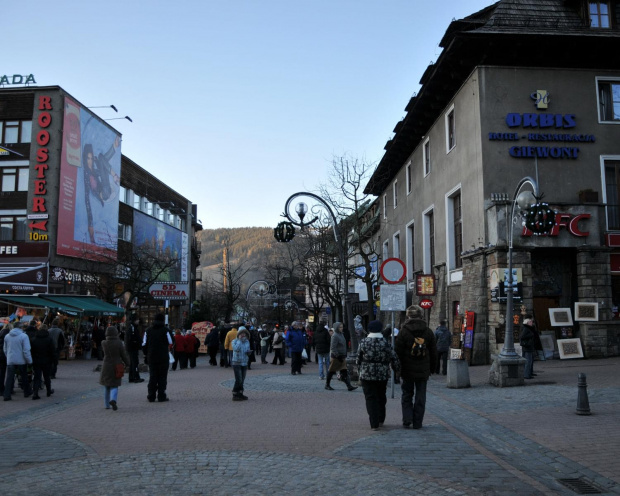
column 179, row 343
column 276, row 337
column 443, row 338
column 374, row 357
column 295, row 340
column 240, row 352
column 114, row 353
column 3, row 333
column 528, row 338
column 132, row 338
column 43, row 350
column 191, row 346
column 58, row 338
column 418, row 367
column 157, row 343
column 213, row 339
column 230, row 337
column 322, row 341
column 338, row 345
column 17, row 348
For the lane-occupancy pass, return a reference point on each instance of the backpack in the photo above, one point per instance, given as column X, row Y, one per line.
column 418, row 350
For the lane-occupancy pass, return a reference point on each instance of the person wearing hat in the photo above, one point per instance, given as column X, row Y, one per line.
column 417, row 352
column 374, row 358
column 113, row 354
column 240, row 358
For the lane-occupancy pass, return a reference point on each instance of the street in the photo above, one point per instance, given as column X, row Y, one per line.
column 294, row 437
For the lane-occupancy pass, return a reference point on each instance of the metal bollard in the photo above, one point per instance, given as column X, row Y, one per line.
column 583, row 405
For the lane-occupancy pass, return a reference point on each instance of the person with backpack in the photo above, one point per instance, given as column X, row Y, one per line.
column 443, row 338
column 417, row 352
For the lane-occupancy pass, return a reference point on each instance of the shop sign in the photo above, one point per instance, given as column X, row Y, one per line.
column 425, row 285
column 17, row 79
column 169, row 290
column 426, row 303
column 40, row 184
column 569, row 222
column 26, row 250
column 58, row 274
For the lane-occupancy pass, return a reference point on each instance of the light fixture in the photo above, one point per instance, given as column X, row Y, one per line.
column 117, row 118
column 302, row 210
column 105, row 106
column 525, row 199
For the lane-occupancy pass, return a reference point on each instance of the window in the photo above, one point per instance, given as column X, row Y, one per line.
column 14, row 178
column 450, row 132
column 124, row 232
column 396, row 243
column 410, row 250
column 599, row 15
column 386, row 250
column 15, row 131
column 13, row 228
column 149, row 207
column 395, row 193
column 612, row 193
column 137, row 201
column 608, row 99
column 429, row 241
column 454, row 223
column 426, row 152
column 385, row 206
column 408, row 174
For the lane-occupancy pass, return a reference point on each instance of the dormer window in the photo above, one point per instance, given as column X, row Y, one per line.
column 599, row 15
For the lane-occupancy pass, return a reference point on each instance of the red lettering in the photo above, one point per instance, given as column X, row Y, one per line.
column 43, row 137
column 42, row 155
column 45, row 119
column 561, row 220
column 45, row 103
column 40, row 168
column 573, row 226
column 38, row 205
column 39, row 187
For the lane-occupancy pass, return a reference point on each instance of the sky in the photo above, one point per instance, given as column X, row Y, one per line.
column 236, row 104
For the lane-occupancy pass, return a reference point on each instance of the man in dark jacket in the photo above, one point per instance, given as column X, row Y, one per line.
column 158, row 341
column 58, row 338
column 322, row 341
column 42, row 358
column 212, row 342
column 417, row 352
column 443, row 338
column 296, row 342
column 528, row 345
column 133, row 343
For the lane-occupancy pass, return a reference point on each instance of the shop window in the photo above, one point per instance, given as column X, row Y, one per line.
column 608, row 99
column 599, row 15
column 14, row 179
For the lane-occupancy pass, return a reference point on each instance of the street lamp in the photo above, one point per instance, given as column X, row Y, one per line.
column 301, row 209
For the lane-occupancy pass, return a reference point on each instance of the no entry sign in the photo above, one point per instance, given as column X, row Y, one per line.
column 393, row 270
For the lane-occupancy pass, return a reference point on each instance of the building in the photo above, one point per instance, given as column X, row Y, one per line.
column 523, row 88
column 78, row 217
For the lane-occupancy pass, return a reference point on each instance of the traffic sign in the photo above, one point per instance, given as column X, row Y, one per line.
column 393, row 270
column 425, row 303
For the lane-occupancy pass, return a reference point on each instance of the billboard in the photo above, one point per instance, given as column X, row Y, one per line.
column 152, row 237
column 90, row 171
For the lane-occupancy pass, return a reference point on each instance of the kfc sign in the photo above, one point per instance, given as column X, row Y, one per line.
column 574, row 224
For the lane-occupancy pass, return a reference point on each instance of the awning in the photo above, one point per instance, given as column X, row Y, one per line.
column 82, row 304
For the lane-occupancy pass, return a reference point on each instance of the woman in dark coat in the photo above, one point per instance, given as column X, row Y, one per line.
column 114, row 354
column 42, row 357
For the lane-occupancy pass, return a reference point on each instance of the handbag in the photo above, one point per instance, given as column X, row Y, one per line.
column 304, row 354
column 119, row 370
column 170, row 357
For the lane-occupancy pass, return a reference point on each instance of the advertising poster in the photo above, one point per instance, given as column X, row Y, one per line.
column 90, row 171
column 156, row 238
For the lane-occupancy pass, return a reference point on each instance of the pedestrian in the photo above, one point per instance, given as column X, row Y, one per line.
column 528, row 345
column 17, row 350
column 417, row 352
column 278, row 347
column 3, row 333
column 309, row 342
column 322, row 341
column 133, row 344
column 241, row 354
column 114, row 355
column 212, row 342
column 230, row 337
column 191, row 348
column 98, row 337
column 158, row 341
column 296, row 342
column 178, row 346
column 58, row 337
column 223, row 351
column 443, row 337
column 265, row 338
column 374, row 358
column 338, row 355
column 42, row 358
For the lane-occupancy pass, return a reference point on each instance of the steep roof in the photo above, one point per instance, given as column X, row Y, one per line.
column 515, row 33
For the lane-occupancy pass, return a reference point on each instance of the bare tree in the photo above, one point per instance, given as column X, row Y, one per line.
column 232, row 274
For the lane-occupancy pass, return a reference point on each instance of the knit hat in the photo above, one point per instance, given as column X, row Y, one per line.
column 242, row 330
column 375, row 326
column 415, row 312
column 111, row 332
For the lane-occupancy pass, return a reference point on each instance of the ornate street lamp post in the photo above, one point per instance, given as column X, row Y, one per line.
column 301, row 209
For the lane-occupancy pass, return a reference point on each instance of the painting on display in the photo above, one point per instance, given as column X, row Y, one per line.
column 586, row 312
column 570, row 348
column 560, row 317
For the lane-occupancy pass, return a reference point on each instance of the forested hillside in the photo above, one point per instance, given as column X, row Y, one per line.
column 255, row 244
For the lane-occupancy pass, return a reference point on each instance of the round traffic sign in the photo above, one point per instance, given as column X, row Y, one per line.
column 393, row 270
column 426, row 303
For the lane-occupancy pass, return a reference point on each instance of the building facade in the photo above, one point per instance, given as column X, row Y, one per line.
column 522, row 89
column 76, row 215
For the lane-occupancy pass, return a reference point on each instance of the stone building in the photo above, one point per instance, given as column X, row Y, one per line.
column 522, row 89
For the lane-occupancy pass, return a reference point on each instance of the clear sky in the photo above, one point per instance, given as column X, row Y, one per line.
column 236, row 104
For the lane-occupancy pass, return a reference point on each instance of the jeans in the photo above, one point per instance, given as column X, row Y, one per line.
column 529, row 364
column 323, row 362
column 10, row 380
column 230, row 355
column 413, row 412
column 240, row 371
column 442, row 358
column 111, row 394
column 263, row 353
column 374, row 392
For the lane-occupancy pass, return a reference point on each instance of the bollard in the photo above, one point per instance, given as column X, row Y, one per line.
column 583, row 405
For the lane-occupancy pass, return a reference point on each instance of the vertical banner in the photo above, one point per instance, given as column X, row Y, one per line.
column 90, row 171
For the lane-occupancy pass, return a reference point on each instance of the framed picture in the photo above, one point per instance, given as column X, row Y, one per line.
column 570, row 348
column 455, row 354
column 548, row 345
column 587, row 312
column 560, row 317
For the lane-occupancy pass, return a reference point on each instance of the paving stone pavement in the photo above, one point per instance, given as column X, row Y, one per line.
column 294, row 437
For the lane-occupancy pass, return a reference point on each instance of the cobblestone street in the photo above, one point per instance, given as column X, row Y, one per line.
column 294, row 437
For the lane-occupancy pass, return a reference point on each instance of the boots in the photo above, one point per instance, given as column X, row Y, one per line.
column 347, row 381
column 328, row 380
